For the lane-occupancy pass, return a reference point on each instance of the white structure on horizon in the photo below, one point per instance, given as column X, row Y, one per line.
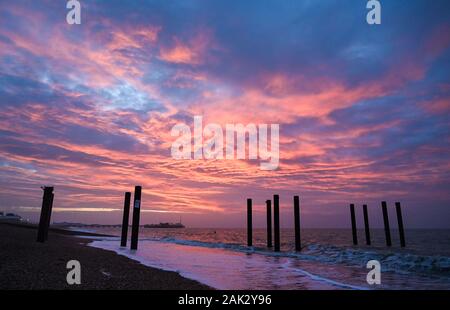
column 10, row 217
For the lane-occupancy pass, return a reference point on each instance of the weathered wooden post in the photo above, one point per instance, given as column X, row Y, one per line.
column 276, row 222
column 269, row 223
column 366, row 225
column 45, row 213
column 298, row 245
column 401, row 231
column 49, row 216
column 249, row 222
column 387, row 230
column 353, row 220
column 125, row 220
column 136, row 215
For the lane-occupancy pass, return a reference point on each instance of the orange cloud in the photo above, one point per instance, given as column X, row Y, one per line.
column 192, row 52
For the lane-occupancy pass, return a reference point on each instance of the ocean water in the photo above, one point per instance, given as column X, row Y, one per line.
column 328, row 260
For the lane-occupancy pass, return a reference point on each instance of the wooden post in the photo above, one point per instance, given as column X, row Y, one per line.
column 401, row 231
column 49, row 216
column 125, row 220
column 366, row 224
column 136, row 215
column 269, row 223
column 387, row 230
column 249, row 222
column 276, row 221
column 298, row 245
column 353, row 219
column 45, row 213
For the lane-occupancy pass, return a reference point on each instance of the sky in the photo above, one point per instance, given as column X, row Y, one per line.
column 363, row 109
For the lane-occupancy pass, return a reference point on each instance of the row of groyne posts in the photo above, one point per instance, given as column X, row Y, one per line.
column 276, row 223
column 48, row 198
column 387, row 230
column 47, row 206
column 298, row 245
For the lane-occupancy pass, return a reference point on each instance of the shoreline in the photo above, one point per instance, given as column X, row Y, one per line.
column 27, row 264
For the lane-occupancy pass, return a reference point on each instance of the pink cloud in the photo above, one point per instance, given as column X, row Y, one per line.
column 192, row 52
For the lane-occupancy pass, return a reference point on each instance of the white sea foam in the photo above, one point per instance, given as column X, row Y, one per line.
column 224, row 269
column 323, row 279
column 222, row 261
column 394, row 262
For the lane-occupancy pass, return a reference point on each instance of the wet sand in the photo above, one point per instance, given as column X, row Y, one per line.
column 27, row 264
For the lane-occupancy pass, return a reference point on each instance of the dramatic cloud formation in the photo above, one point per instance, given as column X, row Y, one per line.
column 363, row 110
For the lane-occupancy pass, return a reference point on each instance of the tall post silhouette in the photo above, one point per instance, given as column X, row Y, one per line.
column 269, row 223
column 249, row 222
column 125, row 219
column 353, row 219
column 136, row 215
column 401, row 231
column 49, row 216
column 45, row 214
column 387, row 230
column 298, row 245
column 366, row 225
column 276, row 222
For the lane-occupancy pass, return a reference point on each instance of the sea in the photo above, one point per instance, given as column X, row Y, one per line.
column 328, row 260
